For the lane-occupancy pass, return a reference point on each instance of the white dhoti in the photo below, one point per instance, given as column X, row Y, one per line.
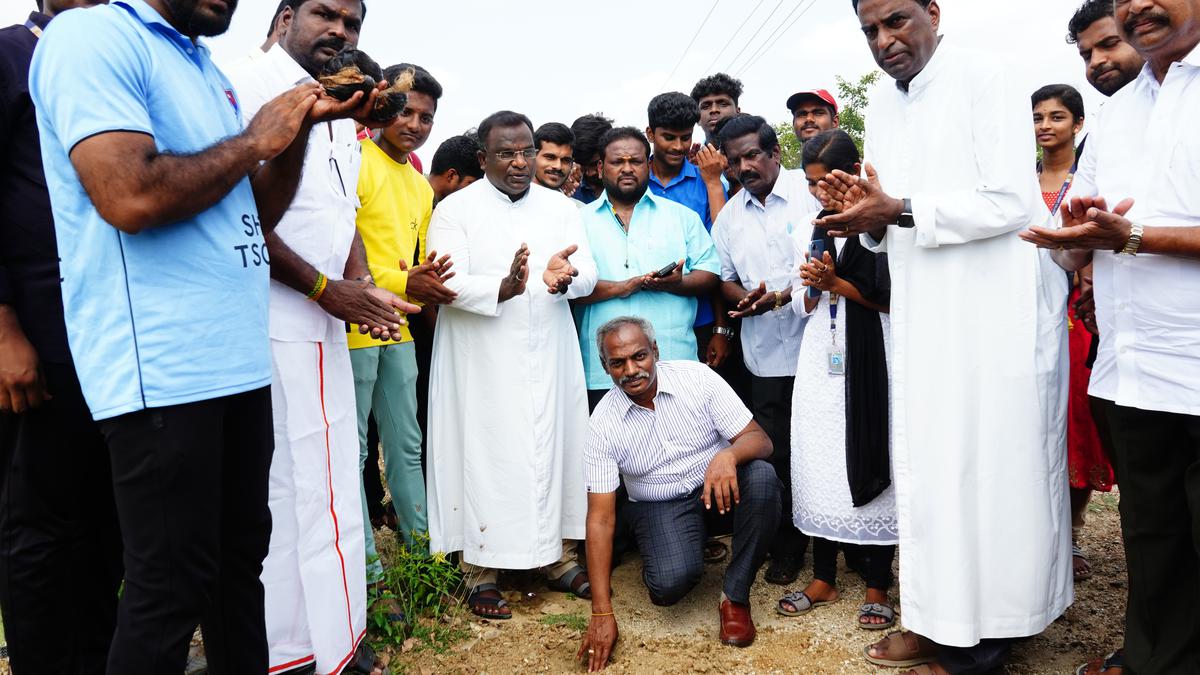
column 314, row 575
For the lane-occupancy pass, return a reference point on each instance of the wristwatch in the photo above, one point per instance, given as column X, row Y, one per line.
column 723, row 330
column 906, row 215
column 1135, row 240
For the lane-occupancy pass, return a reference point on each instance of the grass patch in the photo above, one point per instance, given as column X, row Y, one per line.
column 572, row 621
column 424, row 587
column 1104, row 501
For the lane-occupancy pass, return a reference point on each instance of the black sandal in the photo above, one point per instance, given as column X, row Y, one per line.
column 476, row 600
column 364, row 662
column 782, row 571
column 566, row 583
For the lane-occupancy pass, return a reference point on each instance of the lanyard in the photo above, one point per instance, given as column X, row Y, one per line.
column 33, row 28
column 833, row 307
column 1062, row 192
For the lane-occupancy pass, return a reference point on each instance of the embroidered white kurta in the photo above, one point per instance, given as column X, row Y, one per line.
column 977, row 451
column 507, row 399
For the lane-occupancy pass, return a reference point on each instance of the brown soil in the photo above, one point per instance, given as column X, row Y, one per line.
column 683, row 638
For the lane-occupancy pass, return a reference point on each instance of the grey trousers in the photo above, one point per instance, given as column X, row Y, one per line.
column 671, row 536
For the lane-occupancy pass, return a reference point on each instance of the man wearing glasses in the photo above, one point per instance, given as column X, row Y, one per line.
column 315, row 572
column 507, row 401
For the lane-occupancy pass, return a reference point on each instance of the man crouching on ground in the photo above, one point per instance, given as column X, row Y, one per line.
column 692, row 458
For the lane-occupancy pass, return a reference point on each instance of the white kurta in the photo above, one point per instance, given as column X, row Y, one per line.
column 507, row 399
column 978, row 452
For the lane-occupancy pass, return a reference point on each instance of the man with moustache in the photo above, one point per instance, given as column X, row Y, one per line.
column 812, row 112
column 752, row 235
column 555, row 159
column 314, row 573
column 160, row 199
column 1135, row 213
column 633, row 234
column 507, row 402
column 588, row 129
column 978, row 460
column 709, row 474
column 55, row 477
column 1109, row 61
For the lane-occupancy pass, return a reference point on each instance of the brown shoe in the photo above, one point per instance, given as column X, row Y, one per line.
column 737, row 628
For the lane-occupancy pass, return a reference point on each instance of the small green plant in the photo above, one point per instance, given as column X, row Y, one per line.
column 423, row 586
column 572, row 621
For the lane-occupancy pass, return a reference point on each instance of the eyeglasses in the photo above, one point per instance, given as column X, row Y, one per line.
column 510, row 155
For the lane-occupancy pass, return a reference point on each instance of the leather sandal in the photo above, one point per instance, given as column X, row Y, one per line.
column 915, row 654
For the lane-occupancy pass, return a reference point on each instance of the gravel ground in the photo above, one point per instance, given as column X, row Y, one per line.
column 683, row 638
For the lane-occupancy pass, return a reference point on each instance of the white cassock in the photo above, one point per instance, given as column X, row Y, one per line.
column 507, row 399
column 314, row 575
column 978, row 361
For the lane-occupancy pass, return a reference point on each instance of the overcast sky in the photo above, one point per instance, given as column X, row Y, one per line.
column 555, row 60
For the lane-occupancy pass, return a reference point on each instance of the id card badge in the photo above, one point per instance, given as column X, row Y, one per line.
column 837, row 360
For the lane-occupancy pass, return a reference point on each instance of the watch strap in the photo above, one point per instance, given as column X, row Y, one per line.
column 906, row 215
column 1135, row 240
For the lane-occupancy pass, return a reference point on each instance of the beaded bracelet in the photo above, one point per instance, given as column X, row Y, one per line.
column 318, row 288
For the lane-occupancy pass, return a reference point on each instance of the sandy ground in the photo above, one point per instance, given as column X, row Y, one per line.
column 683, row 638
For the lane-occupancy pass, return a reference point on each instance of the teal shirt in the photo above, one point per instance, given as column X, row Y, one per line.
column 660, row 232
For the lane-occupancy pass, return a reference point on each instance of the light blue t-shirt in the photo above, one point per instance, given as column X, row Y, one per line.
column 177, row 313
column 661, row 232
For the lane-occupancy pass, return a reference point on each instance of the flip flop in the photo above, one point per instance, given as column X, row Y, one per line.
column 916, row 658
column 877, row 610
column 802, row 603
column 474, row 600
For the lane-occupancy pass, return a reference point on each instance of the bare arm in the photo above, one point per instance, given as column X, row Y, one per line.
column 135, row 187
column 720, row 478
column 607, row 290
column 601, row 634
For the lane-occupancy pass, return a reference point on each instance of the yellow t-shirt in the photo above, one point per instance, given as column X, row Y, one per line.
column 393, row 220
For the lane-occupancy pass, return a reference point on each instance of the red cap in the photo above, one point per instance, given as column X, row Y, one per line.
column 819, row 94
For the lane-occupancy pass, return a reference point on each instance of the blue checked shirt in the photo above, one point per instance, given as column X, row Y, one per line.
column 663, row 453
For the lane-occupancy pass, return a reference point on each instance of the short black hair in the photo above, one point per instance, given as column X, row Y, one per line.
column 295, row 5
column 423, row 82
column 741, row 125
column 673, row 110
column 833, row 148
column 588, row 129
column 1070, row 97
column 718, row 84
column 460, row 153
column 619, row 134
column 1088, row 13
column 922, row 3
column 283, row 4
column 553, row 132
column 502, row 119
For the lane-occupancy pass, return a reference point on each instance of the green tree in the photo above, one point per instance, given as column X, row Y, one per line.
column 789, row 145
column 852, row 105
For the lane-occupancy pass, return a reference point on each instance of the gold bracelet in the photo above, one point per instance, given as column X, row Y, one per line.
column 602, row 614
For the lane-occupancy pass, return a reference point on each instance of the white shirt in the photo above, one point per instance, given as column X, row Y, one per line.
column 754, row 242
column 663, row 453
column 319, row 225
column 1147, row 147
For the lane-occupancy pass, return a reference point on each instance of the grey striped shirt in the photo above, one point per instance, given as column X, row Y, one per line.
column 663, row 453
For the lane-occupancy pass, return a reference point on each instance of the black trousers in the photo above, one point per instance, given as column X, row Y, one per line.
column 60, row 547
column 981, row 659
column 876, row 559
column 733, row 370
column 1158, row 464
column 191, row 490
column 671, row 536
column 771, row 403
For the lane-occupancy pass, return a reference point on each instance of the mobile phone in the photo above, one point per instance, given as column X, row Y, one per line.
column 665, row 270
column 816, row 250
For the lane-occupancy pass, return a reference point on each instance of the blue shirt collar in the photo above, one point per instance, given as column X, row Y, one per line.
column 689, row 171
column 149, row 16
column 602, row 204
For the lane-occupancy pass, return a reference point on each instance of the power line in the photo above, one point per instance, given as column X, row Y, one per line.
column 800, row 7
column 730, row 40
column 778, row 38
column 756, row 32
column 689, row 45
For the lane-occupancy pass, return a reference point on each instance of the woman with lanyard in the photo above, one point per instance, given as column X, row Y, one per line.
column 1057, row 119
column 840, row 413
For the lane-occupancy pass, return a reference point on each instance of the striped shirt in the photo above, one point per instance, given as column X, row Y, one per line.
column 662, row 453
